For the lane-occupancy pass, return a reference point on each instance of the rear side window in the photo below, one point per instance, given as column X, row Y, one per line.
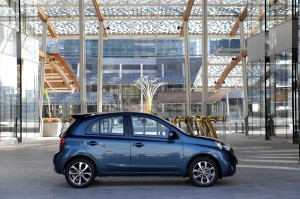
column 106, row 126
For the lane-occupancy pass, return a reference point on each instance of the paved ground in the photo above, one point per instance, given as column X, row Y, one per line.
column 265, row 170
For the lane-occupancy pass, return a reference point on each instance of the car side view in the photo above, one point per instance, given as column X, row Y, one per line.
column 138, row 144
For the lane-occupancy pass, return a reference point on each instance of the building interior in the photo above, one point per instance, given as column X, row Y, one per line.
column 235, row 59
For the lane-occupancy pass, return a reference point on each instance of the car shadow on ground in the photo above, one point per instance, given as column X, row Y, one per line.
column 151, row 181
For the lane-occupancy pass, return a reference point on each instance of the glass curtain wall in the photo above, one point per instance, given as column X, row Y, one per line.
column 18, row 79
column 256, row 98
column 30, row 93
column 271, row 87
column 280, row 89
column 8, row 70
column 127, row 60
column 8, row 95
column 161, row 59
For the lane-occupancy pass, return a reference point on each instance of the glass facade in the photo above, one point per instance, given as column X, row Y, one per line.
column 272, row 79
column 272, row 89
column 8, row 94
column 18, row 71
column 160, row 58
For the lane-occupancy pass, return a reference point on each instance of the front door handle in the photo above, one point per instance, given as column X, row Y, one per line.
column 138, row 144
column 92, row 143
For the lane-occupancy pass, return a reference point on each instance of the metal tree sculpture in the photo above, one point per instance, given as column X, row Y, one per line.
column 148, row 88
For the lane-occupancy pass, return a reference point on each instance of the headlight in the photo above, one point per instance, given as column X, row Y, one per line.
column 227, row 147
column 219, row 145
column 223, row 146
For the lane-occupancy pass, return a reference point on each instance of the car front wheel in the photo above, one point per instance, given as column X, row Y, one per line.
column 203, row 171
column 80, row 173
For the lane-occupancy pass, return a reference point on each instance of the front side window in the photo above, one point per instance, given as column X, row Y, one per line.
column 143, row 126
column 106, row 126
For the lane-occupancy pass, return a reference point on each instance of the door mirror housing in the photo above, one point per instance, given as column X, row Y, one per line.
column 172, row 135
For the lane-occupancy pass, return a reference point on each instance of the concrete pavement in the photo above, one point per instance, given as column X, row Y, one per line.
column 266, row 170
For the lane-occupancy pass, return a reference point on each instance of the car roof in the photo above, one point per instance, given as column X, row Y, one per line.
column 86, row 115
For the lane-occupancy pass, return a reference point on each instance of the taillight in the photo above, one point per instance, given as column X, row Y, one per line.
column 62, row 143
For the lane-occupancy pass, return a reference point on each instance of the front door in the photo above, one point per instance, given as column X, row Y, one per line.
column 152, row 152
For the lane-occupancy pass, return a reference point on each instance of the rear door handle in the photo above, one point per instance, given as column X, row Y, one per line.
column 138, row 144
column 92, row 143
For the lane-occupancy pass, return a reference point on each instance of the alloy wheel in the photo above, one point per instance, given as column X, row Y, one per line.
column 203, row 172
column 80, row 173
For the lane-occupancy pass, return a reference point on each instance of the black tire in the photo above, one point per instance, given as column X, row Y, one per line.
column 203, row 171
column 80, row 173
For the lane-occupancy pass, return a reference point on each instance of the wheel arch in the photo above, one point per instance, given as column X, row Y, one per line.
column 82, row 157
column 204, row 155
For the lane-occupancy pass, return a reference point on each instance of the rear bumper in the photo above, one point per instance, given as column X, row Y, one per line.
column 58, row 166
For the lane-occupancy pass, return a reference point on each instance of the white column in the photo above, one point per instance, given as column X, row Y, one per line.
column 183, row 74
column 100, row 68
column 244, row 69
column 163, row 75
column 163, row 87
column 228, row 110
column 142, row 101
column 183, row 69
column 42, row 70
column 204, row 58
column 83, row 107
column 227, row 103
column 187, row 70
column 120, row 89
column 42, row 77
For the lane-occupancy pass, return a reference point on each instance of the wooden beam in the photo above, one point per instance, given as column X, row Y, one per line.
column 44, row 19
column 216, row 97
column 243, row 14
column 42, row 54
column 99, row 14
column 98, row 11
column 59, row 71
column 186, row 15
column 235, row 27
column 51, row 29
column 42, row 15
column 65, row 67
column 228, row 69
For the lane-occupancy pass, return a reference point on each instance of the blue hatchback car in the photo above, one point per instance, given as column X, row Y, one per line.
column 138, row 144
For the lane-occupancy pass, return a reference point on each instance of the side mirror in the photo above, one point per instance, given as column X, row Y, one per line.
column 172, row 135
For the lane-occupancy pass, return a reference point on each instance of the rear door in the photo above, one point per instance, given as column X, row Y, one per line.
column 105, row 139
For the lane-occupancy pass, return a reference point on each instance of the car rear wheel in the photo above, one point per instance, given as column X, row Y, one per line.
column 203, row 171
column 80, row 173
